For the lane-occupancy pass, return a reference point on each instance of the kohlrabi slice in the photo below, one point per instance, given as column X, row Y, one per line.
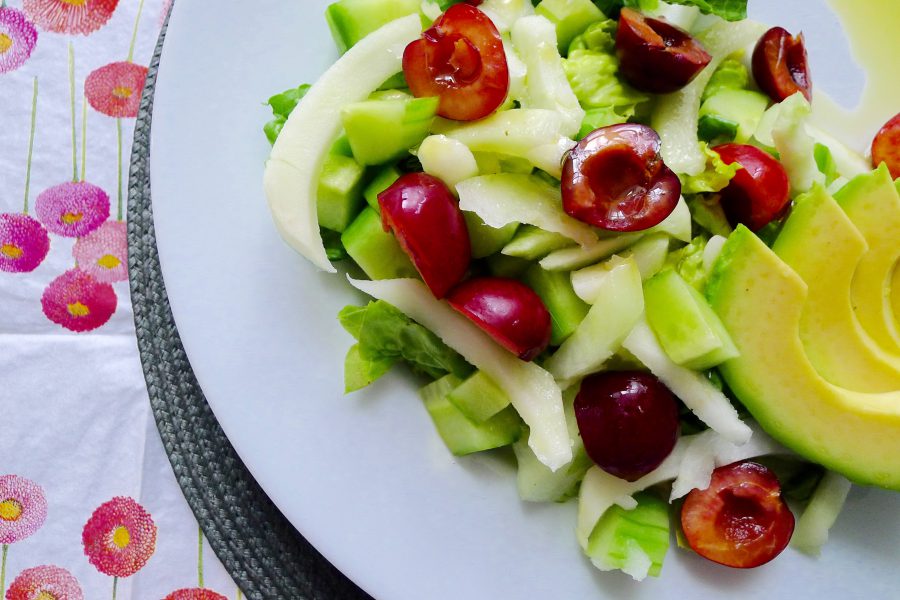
column 827, row 501
column 292, row 172
column 532, row 390
column 447, row 159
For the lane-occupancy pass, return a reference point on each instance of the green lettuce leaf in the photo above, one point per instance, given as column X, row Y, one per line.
column 688, row 262
column 731, row 75
column 386, row 336
column 598, row 37
column 594, row 77
column 715, row 176
column 282, row 104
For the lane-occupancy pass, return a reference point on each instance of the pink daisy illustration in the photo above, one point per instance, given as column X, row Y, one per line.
column 77, row 301
column 17, row 39
column 46, row 582
column 104, row 252
column 23, row 508
column 115, row 89
column 70, row 16
column 195, row 594
column 24, row 243
column 119, row 538
column 73, row 208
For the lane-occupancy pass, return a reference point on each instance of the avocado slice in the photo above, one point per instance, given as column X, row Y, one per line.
column 760, row 301
column 873, row 204
column 835, row 342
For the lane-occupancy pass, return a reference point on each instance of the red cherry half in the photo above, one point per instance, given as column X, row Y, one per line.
column 759, row 192
column 508, row 311
column 886, row 146
column 781, row 66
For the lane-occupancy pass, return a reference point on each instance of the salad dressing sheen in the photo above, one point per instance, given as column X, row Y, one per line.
column 871, row 28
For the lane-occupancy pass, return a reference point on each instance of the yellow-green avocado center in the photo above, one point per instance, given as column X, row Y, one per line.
column 760, row 301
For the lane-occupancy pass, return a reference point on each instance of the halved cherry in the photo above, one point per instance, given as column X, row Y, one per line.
column 460, row 59
column 781, row 66
column 509, row 311
column 616, row 179
column 759, row 192
column 740, row 520
column 426, row 219
column 886, row 146
column 656, row 56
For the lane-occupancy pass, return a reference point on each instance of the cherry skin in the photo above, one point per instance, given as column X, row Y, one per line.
column 616, row 179
column 628, row 421
column 886, row 146
column 656, row 56
column 461, row 60
column 508, row 311
column 781, row 66
column 740, row 520
column 427, row 222
column 759, row 192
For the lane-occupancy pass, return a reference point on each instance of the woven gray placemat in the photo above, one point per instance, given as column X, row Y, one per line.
column 260, row 549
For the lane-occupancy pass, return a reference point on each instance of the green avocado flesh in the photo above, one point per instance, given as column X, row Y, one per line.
column 835, row 342
column 760, row 301
column 872, row 203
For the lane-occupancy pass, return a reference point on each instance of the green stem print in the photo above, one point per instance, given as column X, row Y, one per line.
column 115, row 585
column 3, row 571
column 72, row 98
column 30, row 152
column 134, row 33
column 199, row 557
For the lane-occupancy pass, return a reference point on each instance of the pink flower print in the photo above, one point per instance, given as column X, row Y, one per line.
column 119, row 538
column 195, row 594
column 115, row 89
column 70, row 16
column 78, row 302
column 23, row 508
column 104, row 252
column 72, row 209
column 46, row 582
column 24, row 243
column 17, row 39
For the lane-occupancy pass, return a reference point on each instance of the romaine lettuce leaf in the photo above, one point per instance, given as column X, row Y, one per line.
column 731, row 75
column 282, row 104
column 714, row 178
column 594, row 77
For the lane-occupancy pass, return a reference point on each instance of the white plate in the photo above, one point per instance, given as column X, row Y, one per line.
column 364, row 477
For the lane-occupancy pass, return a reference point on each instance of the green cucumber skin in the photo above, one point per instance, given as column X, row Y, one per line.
column 382, row 131
column 478, row 398
column 352, row 20
column 566, row 309
column 375, row 250
column 340, row 196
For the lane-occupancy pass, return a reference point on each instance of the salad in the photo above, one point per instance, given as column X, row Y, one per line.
column 611, row 242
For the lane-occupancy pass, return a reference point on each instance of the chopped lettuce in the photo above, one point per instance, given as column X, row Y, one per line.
column 730, row 10
column 385, row 336
column 826, row 163
column 688, row 262
column 795, row 145
column 714, row 178
column 282, row 104
column 731, row 75
column 598, row 37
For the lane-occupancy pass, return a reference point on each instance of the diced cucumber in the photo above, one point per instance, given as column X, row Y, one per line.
column 391, row 94
column 484, row 239
column 537, row 483
column 566, row 309
column 685, row 325
column 718, row 128
column 340, row 195
column 375, row 250
column 570, row 17
column 395, row 82
column 352, row 20
column 742, row 107
column 533, row 243
column 462, row 435
column 500, row 265
column 383, row 179
column 341, row 147
column 634, row 541
column 384, row 130
column 478, row 397
column 491, row 163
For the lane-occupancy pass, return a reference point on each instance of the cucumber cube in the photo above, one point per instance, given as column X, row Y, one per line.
column 462, row 435
column 381, row 131
column 500, row 265
column 383, row 179
column 352, row 20
column 571, row 17
column 634, row 541
column 340, row 196
column 478, row 397
column 687, row 328
column 533, row 243
column 567, row 310
column 484, row 239
column 744, row 107
column 375, row 250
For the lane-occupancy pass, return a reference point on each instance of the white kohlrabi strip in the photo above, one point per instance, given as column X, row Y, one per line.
column 507, row 198
column 431, row 9
column 795, row 146
column 447, row 159
column 823, row 509
column 534, row 39
column 712, row 251
column 292, row 172
column 532, row 390
column 505, row 13
column 677, row 114
column 618, row 307
column 649, row 255
column 709, row 404
column 690, row 464
column 517, row 75
column 677, row 14
column 530, row 133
